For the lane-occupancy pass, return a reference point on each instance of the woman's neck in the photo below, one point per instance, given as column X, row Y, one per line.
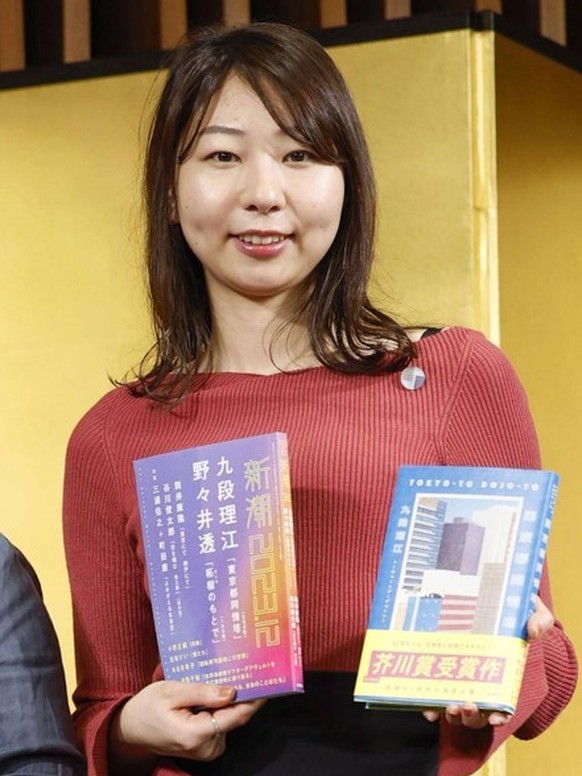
column 254, row 339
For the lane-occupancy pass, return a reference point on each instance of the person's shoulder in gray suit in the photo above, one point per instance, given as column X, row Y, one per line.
column 36, row 732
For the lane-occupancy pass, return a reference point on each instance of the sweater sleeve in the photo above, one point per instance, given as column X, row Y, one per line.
column 487, row 422
column 115, row 644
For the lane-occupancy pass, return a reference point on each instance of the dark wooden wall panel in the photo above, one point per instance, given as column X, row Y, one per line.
column 52, row 32
column 574, row 24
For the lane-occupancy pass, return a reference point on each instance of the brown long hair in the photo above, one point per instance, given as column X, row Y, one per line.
column 305, row 93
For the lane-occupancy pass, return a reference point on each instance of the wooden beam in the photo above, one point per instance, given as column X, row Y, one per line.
column 333, row 13
column 236, row 11
column 397, row 9
column 553, row 20
column 12, row 53
column 76, row 30
column 173, row 22
column 488, row 5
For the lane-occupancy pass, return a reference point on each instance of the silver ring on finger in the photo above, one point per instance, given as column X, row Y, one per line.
column 216, row 726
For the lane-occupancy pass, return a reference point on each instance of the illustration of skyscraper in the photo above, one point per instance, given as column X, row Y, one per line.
column 423, row 550
column 461, row 546
column 500, row 523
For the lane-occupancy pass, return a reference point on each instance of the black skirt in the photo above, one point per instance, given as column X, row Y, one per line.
column 323, row 732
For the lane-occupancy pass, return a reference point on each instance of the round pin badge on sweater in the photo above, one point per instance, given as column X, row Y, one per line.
column 412, row 378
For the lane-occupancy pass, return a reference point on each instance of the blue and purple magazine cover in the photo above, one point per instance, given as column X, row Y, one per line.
column 217, row 524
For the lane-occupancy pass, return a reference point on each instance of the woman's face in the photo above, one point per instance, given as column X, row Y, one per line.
column 255, row 206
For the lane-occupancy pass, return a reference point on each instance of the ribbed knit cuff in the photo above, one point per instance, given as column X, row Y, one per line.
column 554, row 658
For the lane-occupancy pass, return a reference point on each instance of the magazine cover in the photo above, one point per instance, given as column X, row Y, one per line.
column 218, row 534
column 459, row 572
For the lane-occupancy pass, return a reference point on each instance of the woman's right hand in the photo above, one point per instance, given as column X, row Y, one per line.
column 175, row 719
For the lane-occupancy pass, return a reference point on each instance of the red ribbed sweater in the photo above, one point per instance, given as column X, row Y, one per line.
column 347, row 437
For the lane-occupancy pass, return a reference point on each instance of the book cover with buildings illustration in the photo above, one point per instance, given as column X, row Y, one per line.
column 218, row 534
column 458, row 577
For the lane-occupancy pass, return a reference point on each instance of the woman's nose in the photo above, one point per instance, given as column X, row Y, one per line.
column 263, row 189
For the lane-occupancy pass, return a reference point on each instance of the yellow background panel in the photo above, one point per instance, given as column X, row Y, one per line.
column 539, row 152
column 413, row 95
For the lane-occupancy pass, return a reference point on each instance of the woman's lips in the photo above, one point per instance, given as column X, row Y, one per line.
column 261, row 244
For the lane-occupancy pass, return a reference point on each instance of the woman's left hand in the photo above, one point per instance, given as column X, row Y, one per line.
column 541, row 621
column 467, row 714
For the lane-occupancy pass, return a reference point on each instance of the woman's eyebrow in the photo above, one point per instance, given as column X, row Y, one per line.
column 220, row 128
column 215, row 129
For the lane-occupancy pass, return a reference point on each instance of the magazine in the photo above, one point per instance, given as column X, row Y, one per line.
column 218, row 535
column 457, row 582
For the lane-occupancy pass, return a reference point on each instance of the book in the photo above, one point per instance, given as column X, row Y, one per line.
column 458, row 577
column 217, row 527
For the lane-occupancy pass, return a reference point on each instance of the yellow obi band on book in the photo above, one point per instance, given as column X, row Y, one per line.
column 435, row 669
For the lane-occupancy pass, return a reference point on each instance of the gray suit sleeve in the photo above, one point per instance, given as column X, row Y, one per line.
column 36, row 733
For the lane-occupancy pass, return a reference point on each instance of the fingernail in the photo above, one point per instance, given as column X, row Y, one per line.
column 498, row 721
column 226, row 691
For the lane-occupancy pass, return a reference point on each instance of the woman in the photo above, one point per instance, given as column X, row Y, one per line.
column 261, row 213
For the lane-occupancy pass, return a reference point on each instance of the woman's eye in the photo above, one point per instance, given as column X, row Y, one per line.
column 223, row 156
column 299, row 156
